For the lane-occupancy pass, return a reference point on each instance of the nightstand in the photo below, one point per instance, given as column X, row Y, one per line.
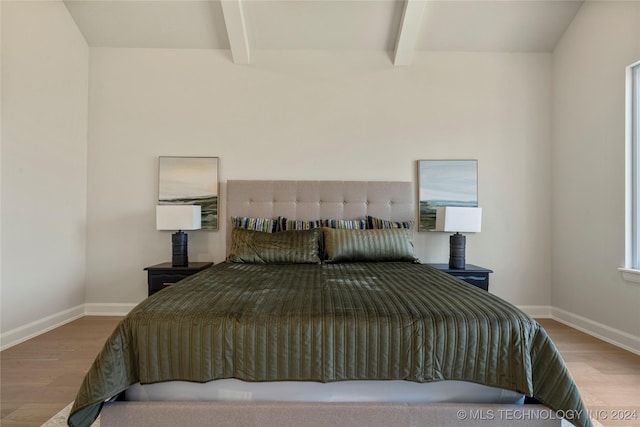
column 163, row 275
column 472, row 274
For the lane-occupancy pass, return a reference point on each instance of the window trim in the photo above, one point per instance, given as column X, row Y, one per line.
column 631, row 270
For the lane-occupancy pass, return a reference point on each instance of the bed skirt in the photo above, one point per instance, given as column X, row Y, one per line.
column 297, row 414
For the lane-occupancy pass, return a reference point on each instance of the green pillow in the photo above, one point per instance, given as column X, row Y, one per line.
column 285, row 247
column 393, row 244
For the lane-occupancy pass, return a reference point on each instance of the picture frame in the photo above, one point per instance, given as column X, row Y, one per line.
column 190, row 181
column 445, row 183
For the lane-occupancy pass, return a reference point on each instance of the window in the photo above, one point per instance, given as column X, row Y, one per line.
column 633, row 127
column 631, row 271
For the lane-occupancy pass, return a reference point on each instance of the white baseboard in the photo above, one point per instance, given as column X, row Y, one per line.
column 537, row 311
column 603, row 332
column 598, row 330
column 108, row 309
column 608, row 334
column 39, row 327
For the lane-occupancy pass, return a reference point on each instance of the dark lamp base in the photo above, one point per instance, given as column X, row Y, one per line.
column 457, row 244
column 180, row 257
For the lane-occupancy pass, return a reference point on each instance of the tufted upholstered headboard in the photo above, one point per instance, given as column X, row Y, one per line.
column 309, row 200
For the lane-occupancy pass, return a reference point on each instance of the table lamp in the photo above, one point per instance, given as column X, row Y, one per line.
column 458, row 220
column 178, row 217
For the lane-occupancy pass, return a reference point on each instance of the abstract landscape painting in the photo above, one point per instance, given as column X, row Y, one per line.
column 445, row 183
column 190, row 181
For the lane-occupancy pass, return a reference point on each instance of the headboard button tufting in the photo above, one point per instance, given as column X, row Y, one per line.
column 303, row 200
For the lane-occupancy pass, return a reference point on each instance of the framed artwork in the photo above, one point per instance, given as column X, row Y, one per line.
column 190, row 181
column 445, row 183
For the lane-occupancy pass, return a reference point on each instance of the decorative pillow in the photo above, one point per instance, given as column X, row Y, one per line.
column 285, row 224
column 266, row 225
column 394, row 244
column 379, row 223
column 350, row 224
column 285, row 247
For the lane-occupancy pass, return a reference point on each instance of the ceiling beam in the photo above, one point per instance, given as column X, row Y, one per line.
column 233, row 13
column 408, row 31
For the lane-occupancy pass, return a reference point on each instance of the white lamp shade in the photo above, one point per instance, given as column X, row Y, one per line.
column 458, row 220
column 178, row 217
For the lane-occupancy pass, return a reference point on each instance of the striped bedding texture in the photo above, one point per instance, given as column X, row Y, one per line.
column 328, row 322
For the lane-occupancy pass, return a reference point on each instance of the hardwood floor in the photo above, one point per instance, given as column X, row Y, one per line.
column 608, row 377
column 41, row 376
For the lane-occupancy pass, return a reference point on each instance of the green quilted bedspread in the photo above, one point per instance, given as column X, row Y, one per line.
column 330, row 322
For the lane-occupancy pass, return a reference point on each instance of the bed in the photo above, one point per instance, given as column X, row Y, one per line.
column 335, row 315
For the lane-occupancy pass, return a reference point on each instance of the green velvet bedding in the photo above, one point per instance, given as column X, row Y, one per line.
column 329, row 322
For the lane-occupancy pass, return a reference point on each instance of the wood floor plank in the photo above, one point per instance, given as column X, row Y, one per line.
column 608, row 377
column 41, row 376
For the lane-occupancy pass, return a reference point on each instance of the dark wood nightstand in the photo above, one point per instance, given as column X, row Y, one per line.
column 163, row 275
column 472, row 274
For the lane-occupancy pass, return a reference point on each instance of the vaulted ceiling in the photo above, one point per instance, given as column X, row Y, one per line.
column 400, row 27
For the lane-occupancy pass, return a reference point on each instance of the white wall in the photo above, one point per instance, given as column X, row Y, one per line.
column 588, row 197
column 44, row 152
column 320, row 115
column 548, row 131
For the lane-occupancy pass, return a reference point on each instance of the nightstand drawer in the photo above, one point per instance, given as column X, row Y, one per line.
column 479, row 280
column 164, row 275
column 160, row 281
column 472, row 274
